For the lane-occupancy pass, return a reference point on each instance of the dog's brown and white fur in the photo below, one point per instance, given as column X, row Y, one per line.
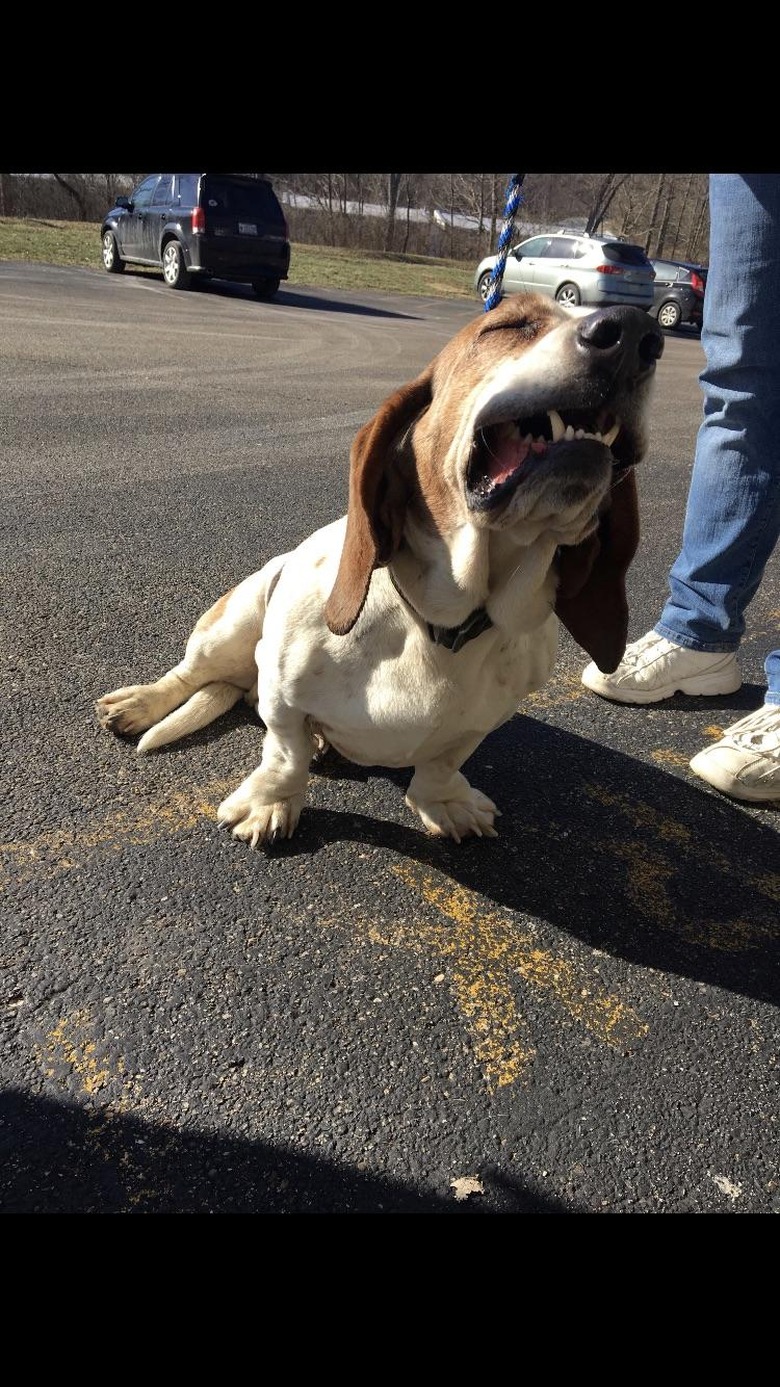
column 459, row 501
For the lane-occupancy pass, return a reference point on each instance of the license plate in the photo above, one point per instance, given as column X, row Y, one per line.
column 247, row 229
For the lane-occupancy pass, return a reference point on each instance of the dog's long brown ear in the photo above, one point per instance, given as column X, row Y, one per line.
column 591, row 600
column 377, row 501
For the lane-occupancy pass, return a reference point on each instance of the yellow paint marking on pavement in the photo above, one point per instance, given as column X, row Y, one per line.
column 71, row 1043
column 666, row 757
column 143, row 822
column 650, row 875
column 488, row 952
column 643, row 815
column 648, row 878
column 768, row 883
column 567, row 688
column 69, row 1058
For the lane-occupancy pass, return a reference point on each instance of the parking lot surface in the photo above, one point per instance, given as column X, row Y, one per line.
column 577, row 1017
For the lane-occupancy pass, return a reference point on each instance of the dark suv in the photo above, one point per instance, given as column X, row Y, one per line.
column 678, row 293
column 201, row 225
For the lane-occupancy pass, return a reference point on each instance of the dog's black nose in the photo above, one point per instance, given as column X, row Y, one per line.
column 626, row 335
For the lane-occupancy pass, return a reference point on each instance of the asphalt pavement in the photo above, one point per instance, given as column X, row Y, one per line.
column 577, row 1017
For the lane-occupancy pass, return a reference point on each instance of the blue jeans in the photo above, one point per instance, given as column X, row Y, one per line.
column 732, row 518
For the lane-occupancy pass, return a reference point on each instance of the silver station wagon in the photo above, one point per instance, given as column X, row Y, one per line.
column 574, row 270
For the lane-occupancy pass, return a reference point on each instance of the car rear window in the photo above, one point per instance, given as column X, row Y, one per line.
column 625, row 253
column 252, row 198
column 188, row 189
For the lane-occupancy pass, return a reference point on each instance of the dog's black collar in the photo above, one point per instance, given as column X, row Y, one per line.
column 451, row 637
column 454, row 637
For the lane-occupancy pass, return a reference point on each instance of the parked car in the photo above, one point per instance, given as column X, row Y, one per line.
column 679, row 293
column 574, row 269
column 200, row 226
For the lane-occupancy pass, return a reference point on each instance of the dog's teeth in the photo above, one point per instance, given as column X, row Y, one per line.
column 557, row 425
column 570, row 433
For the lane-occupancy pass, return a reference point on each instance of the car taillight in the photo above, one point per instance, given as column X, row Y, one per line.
column 609, row 269
column 198, row 220
column 697, row 283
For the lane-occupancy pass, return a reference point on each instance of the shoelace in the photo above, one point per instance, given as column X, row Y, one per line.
column 634, row 659
column 757, row 731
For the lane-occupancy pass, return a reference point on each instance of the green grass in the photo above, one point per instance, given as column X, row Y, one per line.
column 323, row 267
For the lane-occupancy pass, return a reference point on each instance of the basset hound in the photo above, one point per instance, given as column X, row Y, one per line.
column 490, row 498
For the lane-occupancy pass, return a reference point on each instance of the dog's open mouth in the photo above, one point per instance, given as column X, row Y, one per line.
column 501, row 452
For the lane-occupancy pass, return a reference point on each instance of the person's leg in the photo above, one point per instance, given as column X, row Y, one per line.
column 772, row 671
column 732, row 519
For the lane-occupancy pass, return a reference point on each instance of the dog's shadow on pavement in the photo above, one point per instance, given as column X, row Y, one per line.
column 633, row 860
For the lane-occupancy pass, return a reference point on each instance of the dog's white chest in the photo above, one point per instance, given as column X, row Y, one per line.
column 388, row 695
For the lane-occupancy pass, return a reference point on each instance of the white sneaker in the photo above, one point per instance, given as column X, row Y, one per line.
column 654, row 668
column 745, row 762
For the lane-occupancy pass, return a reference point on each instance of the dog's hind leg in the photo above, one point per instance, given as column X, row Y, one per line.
column 218, row 668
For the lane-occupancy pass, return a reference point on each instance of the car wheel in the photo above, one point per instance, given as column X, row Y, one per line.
column 483, row 286
column 111, row 258
column 265, row 288
column 175, row 273
column 669, row 315
column 568, row 295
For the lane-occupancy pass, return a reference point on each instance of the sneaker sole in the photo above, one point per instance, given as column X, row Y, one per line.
column 707, row 685
column 719, row 779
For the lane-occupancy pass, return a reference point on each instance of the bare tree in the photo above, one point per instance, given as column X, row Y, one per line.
column 664, row 226
column 651, row 237
column 607, row 189
column 393, row 190
column 700, row 230
column 77, row 196
column 682, row 207
column 412, row 202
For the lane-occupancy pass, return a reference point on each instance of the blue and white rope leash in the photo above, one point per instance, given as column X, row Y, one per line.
column 513, row 199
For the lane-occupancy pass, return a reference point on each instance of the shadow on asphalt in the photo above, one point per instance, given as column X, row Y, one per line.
column 57, row 1158
column 630, row 859
column 288, row 297
column 285, row 297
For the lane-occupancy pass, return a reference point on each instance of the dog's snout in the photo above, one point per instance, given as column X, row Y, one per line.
column 627, row 336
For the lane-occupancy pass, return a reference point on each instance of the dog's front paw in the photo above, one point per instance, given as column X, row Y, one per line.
column 459, row 818
column 260, row 823
column 126, row 711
